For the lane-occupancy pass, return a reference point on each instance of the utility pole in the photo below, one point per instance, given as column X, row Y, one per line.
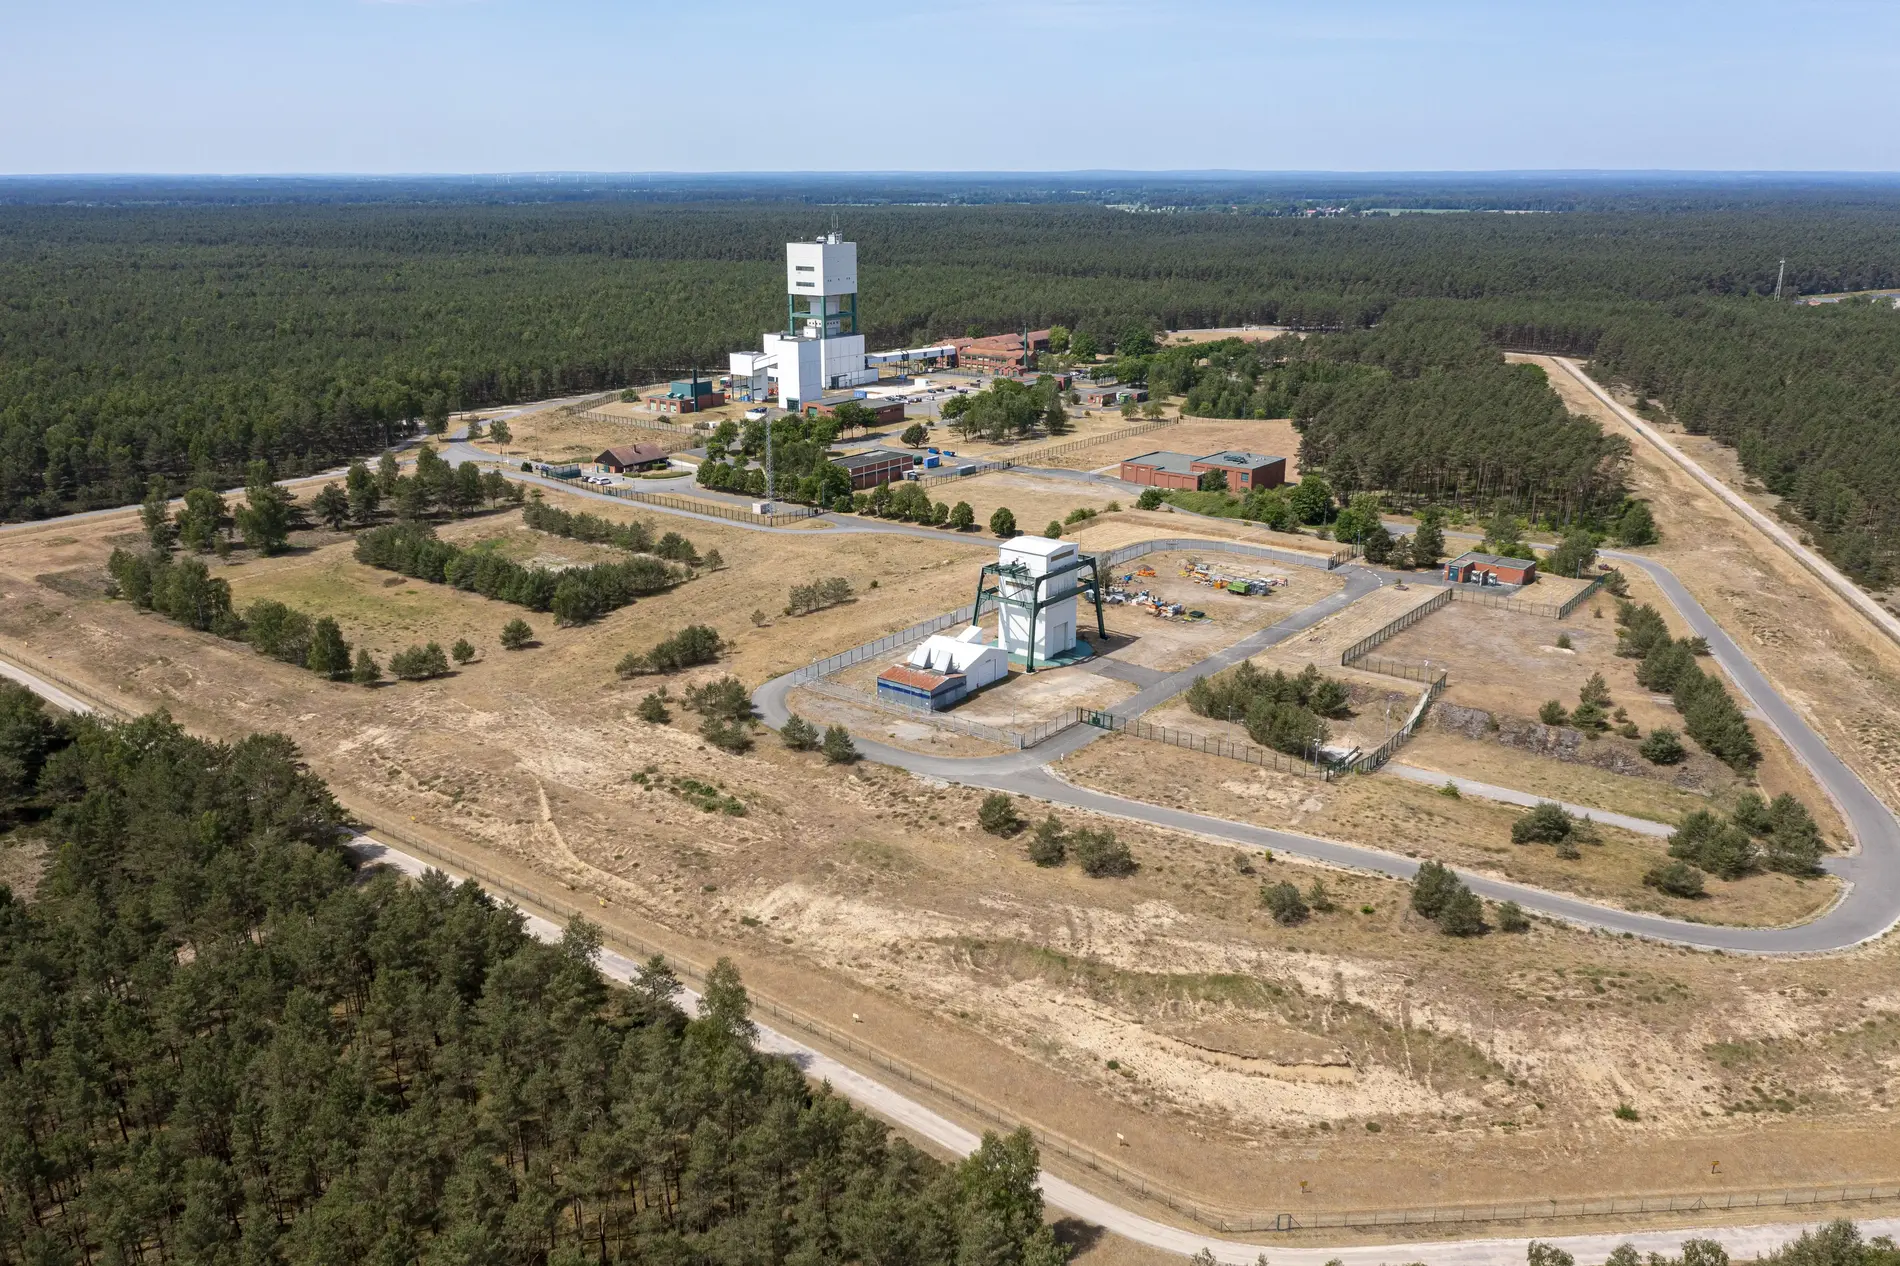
column 1781, row 277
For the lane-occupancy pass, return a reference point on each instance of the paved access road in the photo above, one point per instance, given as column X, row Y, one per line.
column 1742, row 1241
column 1869, row 907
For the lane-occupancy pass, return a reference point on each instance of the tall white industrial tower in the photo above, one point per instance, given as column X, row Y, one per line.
column 820, row 350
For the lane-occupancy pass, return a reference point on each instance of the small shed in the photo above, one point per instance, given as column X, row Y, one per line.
column 1473, row 568
column 919, row 688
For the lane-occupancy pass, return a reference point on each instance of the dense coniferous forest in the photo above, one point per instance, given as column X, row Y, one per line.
column 190, row 339
column 224, row 1045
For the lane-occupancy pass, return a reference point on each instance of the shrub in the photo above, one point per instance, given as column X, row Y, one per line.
column 1100, row 854
column 1662, row 747
column 997, row 815
column 1563, row 641
column 1552, row 713
column 1149, row 499
column 727, row 736
column 1547, row 823
column 838, row 747
column 1284, row 902
column 1463, row 914
column 725, row 700
column 652, row 708
column 1432, row 888
column 1003, row 523
column 1677, row 878
column 799, row 734
column 1626, row 1113
column 1595, row 691
column 1319, row 898
column 278, row 631
column 1511, row 918
column 818, row 595
column 419, row 663
column 1721, row 848
column 365, row 671
column 1048, row 845
column 329, row 654
column 516, row 634
column 1052, row 529
column 692, row 645
column 462, row 651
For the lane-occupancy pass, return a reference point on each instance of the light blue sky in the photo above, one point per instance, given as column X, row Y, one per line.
column 698, row 85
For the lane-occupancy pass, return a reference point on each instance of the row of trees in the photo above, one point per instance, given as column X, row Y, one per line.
column 1710, row 714
column 227, row 1045
column 1778, row 835
column 574, row 595
column 636, row 537
column 1009, row 410
column 183, row 590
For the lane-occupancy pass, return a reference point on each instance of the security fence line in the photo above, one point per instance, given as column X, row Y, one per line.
column 1036, row 455
column 1383, row 752
column 1358, row 650
column 1262, row 756
column 942, row 721
column 1083, row 1157
column 692, row 505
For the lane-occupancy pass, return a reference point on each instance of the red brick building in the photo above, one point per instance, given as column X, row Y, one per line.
column 883, row 412
column 1162, row 470
column 1244, row 471
column 877, row 466
column 1473, row 568
column 1000, row 353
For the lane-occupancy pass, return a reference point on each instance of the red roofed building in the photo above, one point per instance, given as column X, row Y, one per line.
column 628, row 457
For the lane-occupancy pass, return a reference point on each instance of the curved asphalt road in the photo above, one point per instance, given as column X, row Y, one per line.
column 1868, row 908
column 1742, row 1241
column 907, row 1113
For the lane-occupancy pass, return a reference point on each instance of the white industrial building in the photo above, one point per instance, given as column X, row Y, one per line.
column 968, row 653
column 1038, row 633
column 820, row 352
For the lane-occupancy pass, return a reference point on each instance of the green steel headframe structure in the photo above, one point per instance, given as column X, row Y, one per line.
column 989, row 594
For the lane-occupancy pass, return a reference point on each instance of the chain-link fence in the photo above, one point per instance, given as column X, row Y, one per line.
column 1358, row 650
column 1266, row 758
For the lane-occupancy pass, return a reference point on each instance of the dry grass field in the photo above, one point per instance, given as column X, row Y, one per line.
column 1195, row 436
column 1247, row 1057
column 1407, row 817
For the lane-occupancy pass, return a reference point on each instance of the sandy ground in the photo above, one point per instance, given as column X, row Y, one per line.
column 1251, row 333
column 1491, row 1066
column 1197, row 436
column 1033, row 499
column 1408, row 817
column 1508, row 664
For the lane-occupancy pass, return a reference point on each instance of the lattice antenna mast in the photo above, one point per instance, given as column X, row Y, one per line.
column 1781, row 277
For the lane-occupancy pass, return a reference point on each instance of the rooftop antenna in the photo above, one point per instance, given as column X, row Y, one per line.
column 1781, row 277
column 834, row 226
